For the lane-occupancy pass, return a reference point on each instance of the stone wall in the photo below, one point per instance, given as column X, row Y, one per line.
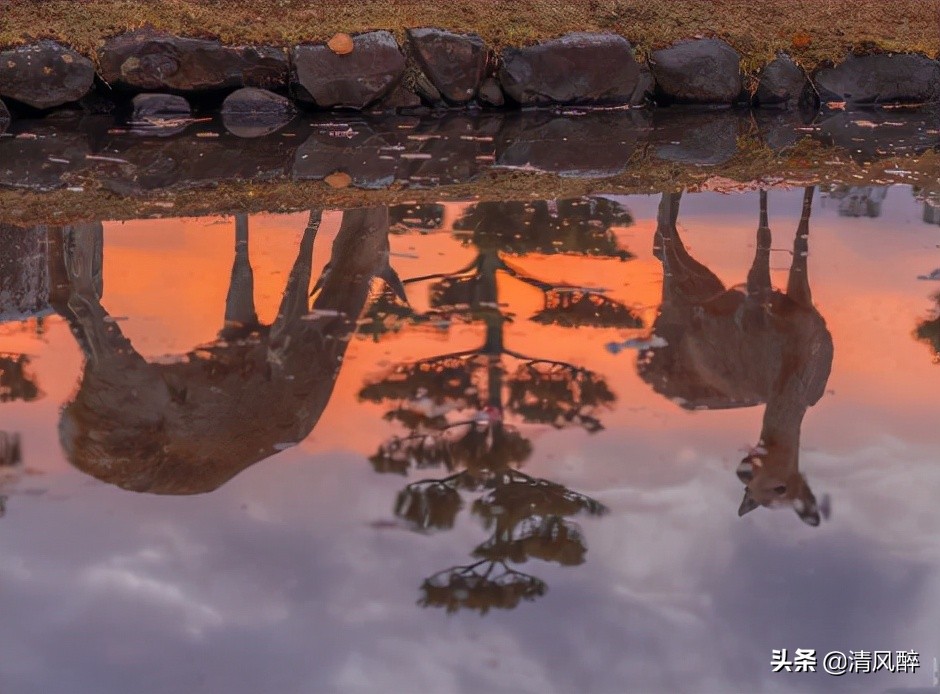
column 437, row 69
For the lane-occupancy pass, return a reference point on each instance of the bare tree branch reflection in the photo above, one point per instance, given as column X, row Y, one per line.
column 463, row 411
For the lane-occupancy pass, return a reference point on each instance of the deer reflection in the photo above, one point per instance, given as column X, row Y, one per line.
column 741, row 347
column 189, row 426
column 463, row 411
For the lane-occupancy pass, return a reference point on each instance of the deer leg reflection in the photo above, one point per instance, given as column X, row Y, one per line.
column 758, row 279
column 240, row 315
column 798, row 282
column 77, row 295
column 684, row 278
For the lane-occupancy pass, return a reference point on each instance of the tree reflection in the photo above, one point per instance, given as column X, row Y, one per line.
column 188, row 426
column 463, row 411
column 929, row 331
column 741, row 347
column 17, row 382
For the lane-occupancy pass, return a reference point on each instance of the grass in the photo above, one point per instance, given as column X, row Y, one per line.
column 753, row 166
column 811, row 30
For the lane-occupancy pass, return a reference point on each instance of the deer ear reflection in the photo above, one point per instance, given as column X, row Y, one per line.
column 806, row 507
column 748, row 504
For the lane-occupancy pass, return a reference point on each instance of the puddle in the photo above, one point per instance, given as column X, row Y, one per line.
column 648, row 439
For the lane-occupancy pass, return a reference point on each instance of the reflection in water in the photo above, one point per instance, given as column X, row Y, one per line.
column 929, row 331
column 17, row 382
column 455, row 406
column 859, row 201
column 741, row 347
column 188, row 426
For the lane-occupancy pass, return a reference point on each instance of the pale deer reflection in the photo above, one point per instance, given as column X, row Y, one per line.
column 744, row 346
column 189, row 426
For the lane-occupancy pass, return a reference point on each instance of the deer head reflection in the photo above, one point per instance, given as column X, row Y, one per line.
column 741, row 347
column 189, row 426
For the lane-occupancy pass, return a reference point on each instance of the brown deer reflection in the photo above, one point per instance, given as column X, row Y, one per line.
column 741, row 347
column 189, row 426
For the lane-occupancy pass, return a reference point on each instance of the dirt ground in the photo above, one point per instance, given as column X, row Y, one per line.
column 811, row 30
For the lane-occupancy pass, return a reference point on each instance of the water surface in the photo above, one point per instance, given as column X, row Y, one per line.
column 604, row 444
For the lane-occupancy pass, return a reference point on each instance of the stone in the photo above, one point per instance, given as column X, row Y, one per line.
column 880, row 79
column 366, row 153
column 356, row 80
column 875, row 133
column 697, row 71
column 341, row 44
column 455, row 63
column 491, row 93
column 4, row 118
column 45, row 75
column 183, row 162
column 578, row 68
column 593, row 145
column 150, row 60
column 783, row 84
column 253, row 112
column 147, row 106
column 44, row 161
column 696, row 136
column 400, row 98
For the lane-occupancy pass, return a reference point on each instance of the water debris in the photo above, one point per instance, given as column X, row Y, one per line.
column 113, row 160
column 415, row 155
column 322, row 313
column 57, row 160
column 637, row 343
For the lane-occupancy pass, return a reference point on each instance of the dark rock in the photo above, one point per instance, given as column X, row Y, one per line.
column 44, row 157
column 593, row 145
column 365, row 151
column 186, row 162
column 698, row 71
column 880, row 79
column 375, row 153
column 871, row 135
column 491, row 93
column 252, row 112
column 156, row 106
column 161, row 115
column 455, row 63
column 695, row 136
column 779, row 129
column 45, row 75
column 149, row 60
column 355, row 80
column 783, row 84
column 401, row 98
column 448, row 150
column 645, row 86
column 4, row 118
column 576, row 68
